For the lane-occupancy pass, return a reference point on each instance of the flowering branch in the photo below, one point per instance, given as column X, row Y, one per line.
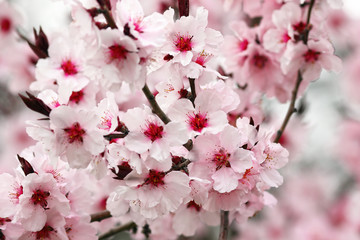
column 292, row 108
column 97, row 217
column 154, row 105
column 118, row 229
column 224, row 225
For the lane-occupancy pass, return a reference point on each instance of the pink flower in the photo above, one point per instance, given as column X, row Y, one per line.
column 147, row 132
column 224, row 158
column 148, row 31
column 310, row 59
column 206, row 116
column 77, row 135
column 40, row 194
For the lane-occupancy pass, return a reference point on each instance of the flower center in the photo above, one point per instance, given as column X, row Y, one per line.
column 5, row 25
column 285, row 38
column 4, row 220
column 155, row 178
column 69, row 68
column 154, row 131
column 183, row 93
column 243, row 45
column 14, row 196
column 311, row 56
column 118, row 52
column 197, row 121
column 183, row 43
column 221, row 159
column 202, row 58
column 76, row 97
column 192, row 204
column 259, row 61
column 299, row 27
column 75, row 133
column 39, row 197
column 44, row 233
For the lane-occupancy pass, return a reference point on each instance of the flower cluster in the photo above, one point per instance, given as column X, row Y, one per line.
column 156, row 118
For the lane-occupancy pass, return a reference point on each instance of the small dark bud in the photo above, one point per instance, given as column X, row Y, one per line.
column 25, row 165
column 35, row 104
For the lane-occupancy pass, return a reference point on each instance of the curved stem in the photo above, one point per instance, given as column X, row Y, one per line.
column 116, row 230
column 154, row 105
column 291, row 108
column 97, row 217
column 193, row 90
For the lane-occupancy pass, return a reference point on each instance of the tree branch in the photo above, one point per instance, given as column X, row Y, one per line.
column 193, row 90
column 97, row 217
column 118, row 229
column 154, row 105
column 291, row 108
column 224, row 225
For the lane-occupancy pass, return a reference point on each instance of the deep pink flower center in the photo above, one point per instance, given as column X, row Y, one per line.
column 299, row 27
column 155, row 178
column 183, row 43
column 197, row 121
column 118, row 52
column 18, row 191
column 243, row 45
column 154, row 131
column 76, row 97
column 259, row 61
column 221, row 158
column 4, row 220
column 183, row 93
column 69, row 68
column 75, row 133
column 44, row 233
column 40, row 197
column 5, row 24
column 192, row 204
column 285, row 38
column 311, row 56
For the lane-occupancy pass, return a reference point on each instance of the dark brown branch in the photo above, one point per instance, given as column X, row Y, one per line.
column 109, row 18
column 116, row 230
column 193, row 90
column 308, row 25
column 154, row 105
column 224, row 225
column 291, row 108
column 184, row 8
column 97, row 217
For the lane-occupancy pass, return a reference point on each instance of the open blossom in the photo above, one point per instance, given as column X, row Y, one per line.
column 189, row 36
column 223, row 157
column 40, row 194
column 77, row 135
column 148, row 133
column 147, row 31
column 66, row 68
column 206, row 116
column 152, row 194
column 310, row 59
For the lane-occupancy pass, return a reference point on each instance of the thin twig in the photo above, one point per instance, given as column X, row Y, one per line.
column 291, row 108
column 97, row 217
column 116, row 230
column 193, row 90
column 224, row 225
column 154, row 105
column 109, row 19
